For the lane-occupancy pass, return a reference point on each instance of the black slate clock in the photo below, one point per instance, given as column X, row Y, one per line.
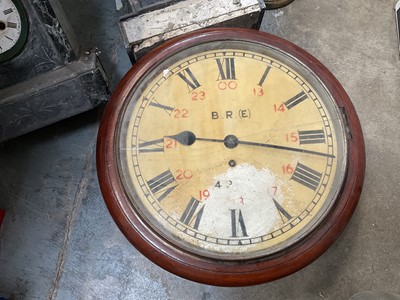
column 45, row 75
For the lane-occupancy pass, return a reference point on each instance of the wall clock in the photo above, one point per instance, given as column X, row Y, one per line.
column 230, row 157
column 13, row 29
column 274, row 4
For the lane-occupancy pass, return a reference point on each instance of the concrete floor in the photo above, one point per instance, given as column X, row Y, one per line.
column 58, row 240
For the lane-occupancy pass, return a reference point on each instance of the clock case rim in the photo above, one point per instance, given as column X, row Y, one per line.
column 214, row 271
column 19, row 45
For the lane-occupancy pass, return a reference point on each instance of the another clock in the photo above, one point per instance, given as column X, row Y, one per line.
column 45, row 75
column 274, row 4
column 13, row 29
column 230, row 157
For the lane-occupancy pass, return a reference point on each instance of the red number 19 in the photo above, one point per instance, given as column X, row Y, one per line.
column 204, row 194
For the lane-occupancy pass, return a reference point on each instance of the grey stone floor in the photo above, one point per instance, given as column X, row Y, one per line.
column 58, row 240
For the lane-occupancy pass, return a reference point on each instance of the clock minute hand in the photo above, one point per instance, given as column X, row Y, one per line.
column 286, row 148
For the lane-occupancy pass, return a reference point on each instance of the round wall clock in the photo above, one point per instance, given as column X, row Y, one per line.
column 274, row 4
column 230, row 157
column 13, row 29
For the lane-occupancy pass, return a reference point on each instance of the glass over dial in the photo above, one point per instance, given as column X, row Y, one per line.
column 231, row 149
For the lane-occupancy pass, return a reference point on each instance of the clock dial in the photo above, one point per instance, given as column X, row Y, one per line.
column 227, row 155
column 231, row 152
column 13, row 28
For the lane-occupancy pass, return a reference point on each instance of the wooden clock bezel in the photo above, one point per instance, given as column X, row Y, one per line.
column 214, row 271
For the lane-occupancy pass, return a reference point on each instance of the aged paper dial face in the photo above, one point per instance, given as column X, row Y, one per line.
column 231, row 150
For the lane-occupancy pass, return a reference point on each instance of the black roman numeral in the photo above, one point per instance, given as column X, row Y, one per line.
column 8, row 11
column 292, row 102
column 237, row 223
column 311, row 137
column 282, row 212
column 188, row 77
column 264, row 76
column 226, row 68
column 306, row 176
column 12, row 25
column 193, row 213
column 152, row 146
column 162, row 185
column 167, row 109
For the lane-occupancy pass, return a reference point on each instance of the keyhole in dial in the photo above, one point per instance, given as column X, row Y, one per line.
column 2, row 25
column 232, row 163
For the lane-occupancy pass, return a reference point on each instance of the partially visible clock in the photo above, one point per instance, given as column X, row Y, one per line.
column 274, row 4
column 45, row 75
column 13, row 29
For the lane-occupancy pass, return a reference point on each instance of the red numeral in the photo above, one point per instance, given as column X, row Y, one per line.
column 198, row 96
column 170, row 144
column 292, row 137
column 287, row 169
column 258, row 91
column 224, row 85
column 279, row 107
column 204, row 194
column 181, row 113
column 273, row 190
column 184, row 174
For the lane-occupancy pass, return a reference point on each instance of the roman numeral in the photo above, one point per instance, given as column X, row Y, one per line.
column 264, row 76
column 237, row 223
column 226, row 68
column 282, row 211
column 292, row 102
column 152, row 146
column 312, row 137
column 11, row 25
column 8, row 11
column 188, row 77
column 193, row 213
column 306, row 176
column 167, row 109
column 162, row 185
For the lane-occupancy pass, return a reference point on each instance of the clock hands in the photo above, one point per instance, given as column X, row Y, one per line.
column 188, row 138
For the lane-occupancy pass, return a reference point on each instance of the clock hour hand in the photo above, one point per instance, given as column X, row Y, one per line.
column 188, row 138
column 185, row 138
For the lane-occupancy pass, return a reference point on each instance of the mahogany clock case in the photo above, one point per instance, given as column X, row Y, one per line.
column 215, row 271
